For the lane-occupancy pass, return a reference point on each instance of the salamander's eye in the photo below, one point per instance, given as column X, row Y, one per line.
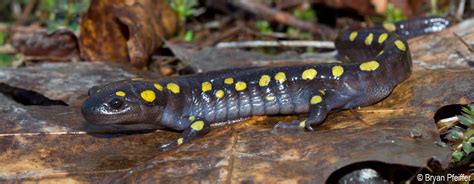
column 115, row 103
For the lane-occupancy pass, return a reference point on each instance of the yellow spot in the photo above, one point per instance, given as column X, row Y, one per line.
column 219, row 93
column 389, row 26
column 229, row 81
column 369, row 39
column 240, row 86
column 382, row 37
column 400, row 45
column 206, row 86
column 380, row 53
column 192, row 118
column 337, row 71
column 322, row 91
column 270, row 98
column 172, row 87
column 280, row 77
column 369, row 66
column 302, row 123
column 309, row 74
column 179, row 141
column 352, row 36
column 158, row 87
column 134, row 79
column 316, row 99
column 120, row 93
column 148, row 95
column 197, row 125
column 264, row 80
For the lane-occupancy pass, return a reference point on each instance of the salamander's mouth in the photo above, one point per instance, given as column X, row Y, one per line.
column 119, row 128
column 129, row 119
column 107, row 119
column 100, row 113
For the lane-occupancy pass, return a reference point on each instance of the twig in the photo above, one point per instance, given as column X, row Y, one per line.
column 7, row 49
column 42, row 133
column 222, row 36
column 358, row 117
column 4, row 27
column 284, row 18
column 460, row 11
column 271, row 34
column 212, row 24
column 469, row 47
column 315, row 44
column 26, row 12
column 463, row 165
column 50, row 58
column 446, row 123
column 434, row 6
column 288, row 4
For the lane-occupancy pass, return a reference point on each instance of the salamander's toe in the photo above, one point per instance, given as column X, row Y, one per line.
column 294, row 124
column 168, row 146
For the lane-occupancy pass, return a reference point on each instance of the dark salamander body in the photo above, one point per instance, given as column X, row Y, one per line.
column 380, row 59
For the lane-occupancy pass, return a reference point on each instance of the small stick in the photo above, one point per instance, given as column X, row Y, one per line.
column 315, row 44
column 26, row 12
column 226, row 34
column 446, row 123
column 460, row 11
column 284, row 18
column 7, row 49
column 358, row 117
column 42, row 133
column 469, row 47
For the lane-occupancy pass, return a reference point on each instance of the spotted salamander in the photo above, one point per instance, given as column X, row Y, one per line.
column 380, row 59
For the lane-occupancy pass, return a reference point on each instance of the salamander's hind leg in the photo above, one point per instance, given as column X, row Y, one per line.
column 197, row 128
column 317, row 113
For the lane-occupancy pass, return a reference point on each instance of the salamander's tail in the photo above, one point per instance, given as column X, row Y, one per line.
column 415, row 26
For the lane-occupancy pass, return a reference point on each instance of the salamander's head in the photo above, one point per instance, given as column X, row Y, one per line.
column 128, row 102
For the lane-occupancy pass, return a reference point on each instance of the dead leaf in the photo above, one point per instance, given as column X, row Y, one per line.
column 234, row 154
column 125, row 30
column 67, row 82
column 427, row 91
column 38, row 44
column 443, row 50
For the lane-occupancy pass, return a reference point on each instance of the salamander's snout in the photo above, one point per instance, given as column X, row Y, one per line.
column 105, row 111
column 123, row 103
column 90, row 111
column 110, row 108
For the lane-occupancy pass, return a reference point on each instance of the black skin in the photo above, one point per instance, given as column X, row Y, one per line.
column 192, row 110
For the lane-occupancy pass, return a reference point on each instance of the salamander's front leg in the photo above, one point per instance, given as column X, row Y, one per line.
column 197, row 128
column 317, row 113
